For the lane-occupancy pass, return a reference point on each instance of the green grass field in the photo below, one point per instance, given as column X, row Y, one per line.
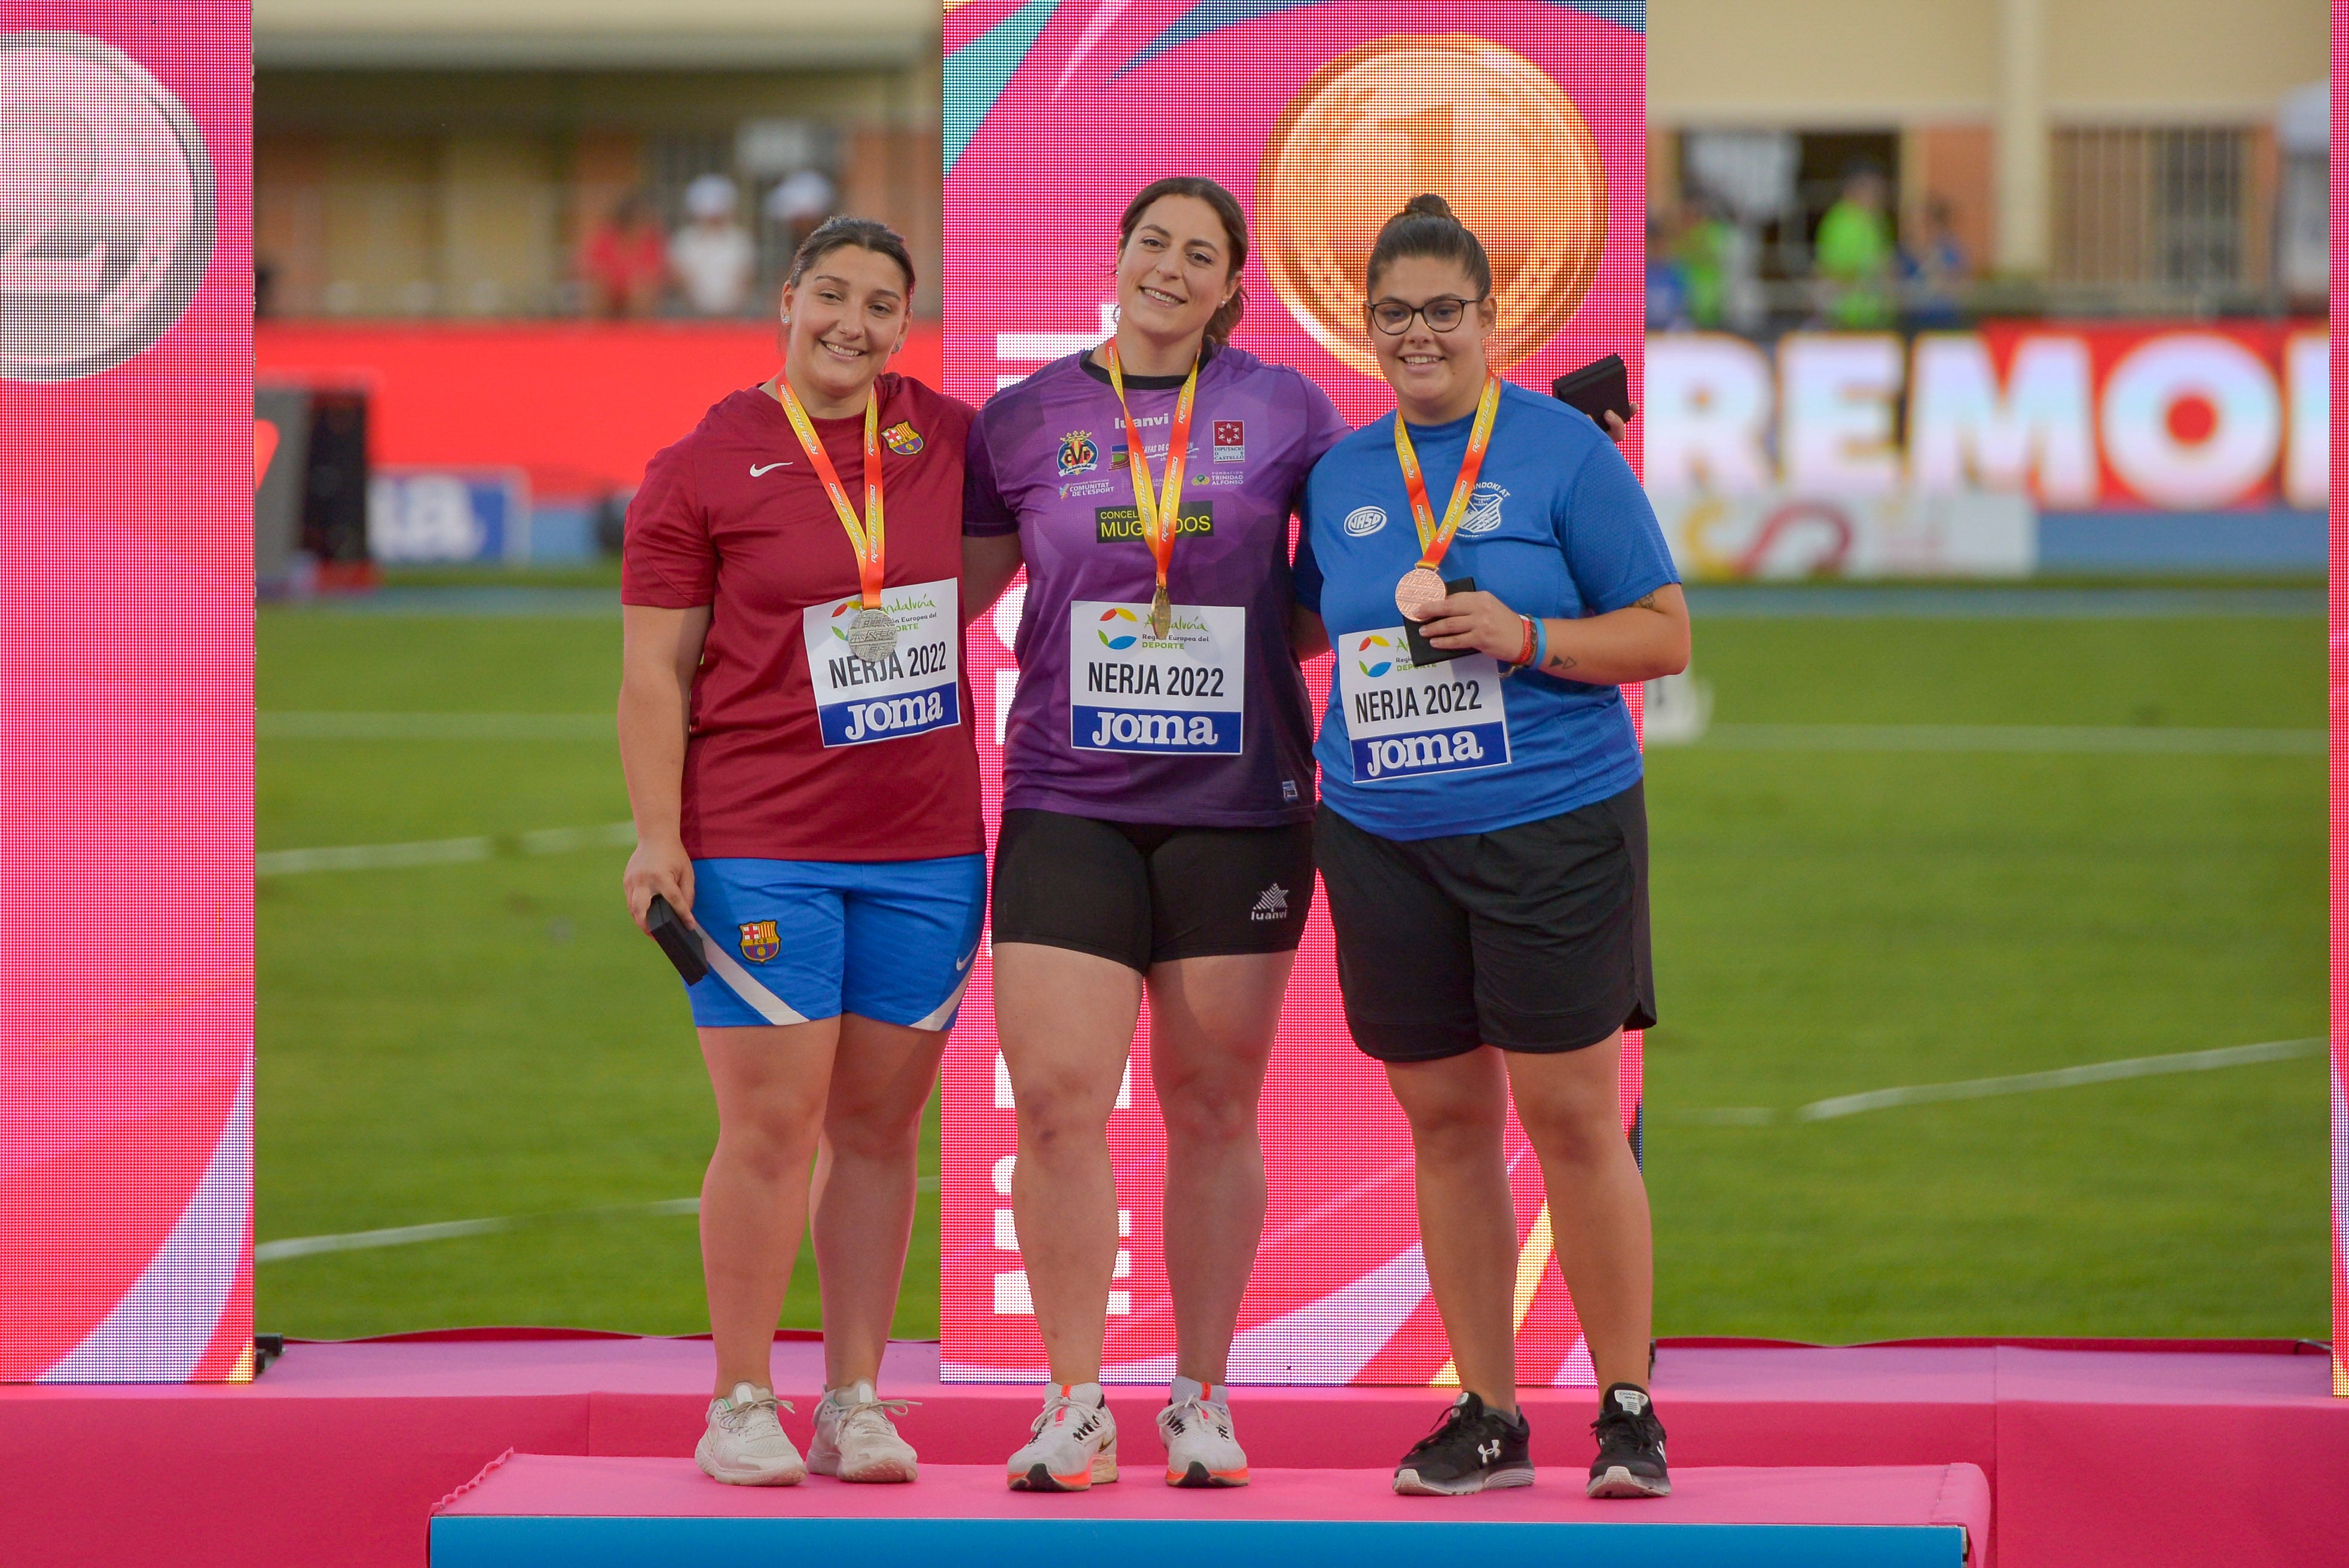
column 493, row 1039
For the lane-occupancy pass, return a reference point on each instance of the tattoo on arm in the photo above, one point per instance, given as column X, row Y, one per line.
column 1558, row 661
column 1644, row 602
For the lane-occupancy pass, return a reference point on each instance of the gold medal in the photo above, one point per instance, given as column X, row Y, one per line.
column 1161, row 613
column 1419, row 596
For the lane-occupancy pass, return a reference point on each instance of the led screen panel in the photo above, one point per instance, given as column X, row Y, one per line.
column 126, row 692
column 1529, row 119
column 2338, row 683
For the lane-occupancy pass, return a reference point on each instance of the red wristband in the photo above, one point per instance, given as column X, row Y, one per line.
column 1526, row 653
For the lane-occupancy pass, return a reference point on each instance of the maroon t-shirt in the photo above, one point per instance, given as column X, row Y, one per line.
column 734, row 517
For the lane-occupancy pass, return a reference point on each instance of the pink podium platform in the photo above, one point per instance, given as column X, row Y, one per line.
column 530, row 1510
column 2122, row 1454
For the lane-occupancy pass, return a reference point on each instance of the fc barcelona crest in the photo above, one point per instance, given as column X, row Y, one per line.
column 903, row 438
column 759, row 942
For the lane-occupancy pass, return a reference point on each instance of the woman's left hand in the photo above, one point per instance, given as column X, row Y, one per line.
column 1476, row 621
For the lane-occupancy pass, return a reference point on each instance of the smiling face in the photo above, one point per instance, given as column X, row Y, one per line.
column 1176, row 270
column 848, row 315
column 1436, row 376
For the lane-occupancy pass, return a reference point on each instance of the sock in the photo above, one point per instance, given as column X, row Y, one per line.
column 1084, row 1394
column 1627, row 1397
column 1183, row 1388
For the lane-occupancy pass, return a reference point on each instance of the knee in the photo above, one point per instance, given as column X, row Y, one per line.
column 1056, row 1112
column 1203, row 1115
column 771, row 1142
column 1574, row 1135
column 876, row 1135
column 1456, row 1127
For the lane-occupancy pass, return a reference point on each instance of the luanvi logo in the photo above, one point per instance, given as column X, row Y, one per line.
column 1117, row 524
column 106, row 224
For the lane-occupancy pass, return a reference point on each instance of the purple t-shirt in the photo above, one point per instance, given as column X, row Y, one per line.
column 1211, row 728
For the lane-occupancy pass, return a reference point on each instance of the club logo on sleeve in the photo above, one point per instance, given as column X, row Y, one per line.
column 1364, row 521
column 759, row 942
column 1078, row 453
column 903, row 438
column 1484, row 509
column 1231, row 441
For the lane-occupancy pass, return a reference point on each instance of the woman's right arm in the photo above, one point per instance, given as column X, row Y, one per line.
column 990, row 561
column 660, row 651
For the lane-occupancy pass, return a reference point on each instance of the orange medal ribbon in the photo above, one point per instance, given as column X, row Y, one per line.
column 1420, row 592
column 866, row 537
column 1159, row 517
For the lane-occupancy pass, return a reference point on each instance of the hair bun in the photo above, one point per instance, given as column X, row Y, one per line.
column 1429, row 205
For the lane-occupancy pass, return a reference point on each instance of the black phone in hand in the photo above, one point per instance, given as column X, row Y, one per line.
column 676, row 939
column 1424, row 653
column 1602, row 387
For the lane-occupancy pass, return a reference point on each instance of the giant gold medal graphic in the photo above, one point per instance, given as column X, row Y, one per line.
column 1453, row 114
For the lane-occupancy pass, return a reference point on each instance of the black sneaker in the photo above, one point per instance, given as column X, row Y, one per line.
column 1474, row 1448
column 1630, row 1462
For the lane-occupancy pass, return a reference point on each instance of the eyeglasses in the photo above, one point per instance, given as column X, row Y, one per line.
column 1441, row 313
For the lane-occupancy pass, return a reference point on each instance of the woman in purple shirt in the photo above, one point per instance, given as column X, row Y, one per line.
column 1158, row 799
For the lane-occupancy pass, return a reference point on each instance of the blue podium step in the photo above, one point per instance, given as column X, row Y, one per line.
column 548, row 1511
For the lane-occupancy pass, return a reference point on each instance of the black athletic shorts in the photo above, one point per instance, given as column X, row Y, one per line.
column 1532, row 938
column 1139, row 895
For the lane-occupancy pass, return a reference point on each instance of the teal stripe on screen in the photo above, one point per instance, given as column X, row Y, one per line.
column 1213, row 15
column 977, row 73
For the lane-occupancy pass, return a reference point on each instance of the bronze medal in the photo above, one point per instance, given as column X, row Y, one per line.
column 1419, row 594
column 872, row 635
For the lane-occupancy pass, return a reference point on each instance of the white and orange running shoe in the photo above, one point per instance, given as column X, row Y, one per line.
column 1197, row 1428
column 1073, row 1445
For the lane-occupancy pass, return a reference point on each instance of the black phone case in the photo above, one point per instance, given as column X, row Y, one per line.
column 1424, row 653
column 675, row 940
column 1598, row 387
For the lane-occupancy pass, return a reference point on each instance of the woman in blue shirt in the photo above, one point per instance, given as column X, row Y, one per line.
column 1482, row 836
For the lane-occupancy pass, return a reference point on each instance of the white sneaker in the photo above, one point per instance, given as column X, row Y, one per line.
column 745, row 1445
column 1072, row 1444
column 1197, row 1428
column 854, row 1440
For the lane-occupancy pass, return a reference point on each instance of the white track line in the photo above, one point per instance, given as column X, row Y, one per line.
column 433, row 726
column 2060, row 1077
column 2074, row 739
column 439, row 852
column 449, row 1229
column 2013, row 1083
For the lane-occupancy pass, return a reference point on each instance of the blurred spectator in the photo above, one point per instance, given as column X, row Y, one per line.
column 798, row 204
column 624, row 262
column 1853, row 254
column 711, row 256
column 1936, row 270
column 1667, row 284
column 1709, row 249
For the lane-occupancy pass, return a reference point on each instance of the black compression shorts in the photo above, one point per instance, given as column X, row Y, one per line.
column 1139, row 895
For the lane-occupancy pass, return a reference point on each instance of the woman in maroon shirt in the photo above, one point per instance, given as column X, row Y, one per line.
column 795, row 730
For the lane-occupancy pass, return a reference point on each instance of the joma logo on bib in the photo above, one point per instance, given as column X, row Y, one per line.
column 1156, row 732
column 871, row 721
column 1419, row 753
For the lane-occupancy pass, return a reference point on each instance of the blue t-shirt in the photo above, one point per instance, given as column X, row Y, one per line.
column 1556, row 528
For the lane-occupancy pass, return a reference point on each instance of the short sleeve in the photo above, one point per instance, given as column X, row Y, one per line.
column 667, row 559
column 1305, row 571
column 985, row 513
column 1615, row 549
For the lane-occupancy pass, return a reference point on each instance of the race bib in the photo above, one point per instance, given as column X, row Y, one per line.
column 913, row 690
column 1129, row 691
column 1404, row 722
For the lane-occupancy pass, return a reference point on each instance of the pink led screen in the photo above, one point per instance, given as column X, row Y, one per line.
column 126, row 692
column 1529, row 117
column 2337, row 666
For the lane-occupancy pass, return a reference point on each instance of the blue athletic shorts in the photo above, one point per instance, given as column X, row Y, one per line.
column 887, row 940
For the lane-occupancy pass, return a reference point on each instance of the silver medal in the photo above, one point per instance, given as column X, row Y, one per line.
column 872, row 635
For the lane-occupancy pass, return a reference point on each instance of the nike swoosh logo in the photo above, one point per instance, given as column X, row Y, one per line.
column 756, row 470
column 964, row 962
